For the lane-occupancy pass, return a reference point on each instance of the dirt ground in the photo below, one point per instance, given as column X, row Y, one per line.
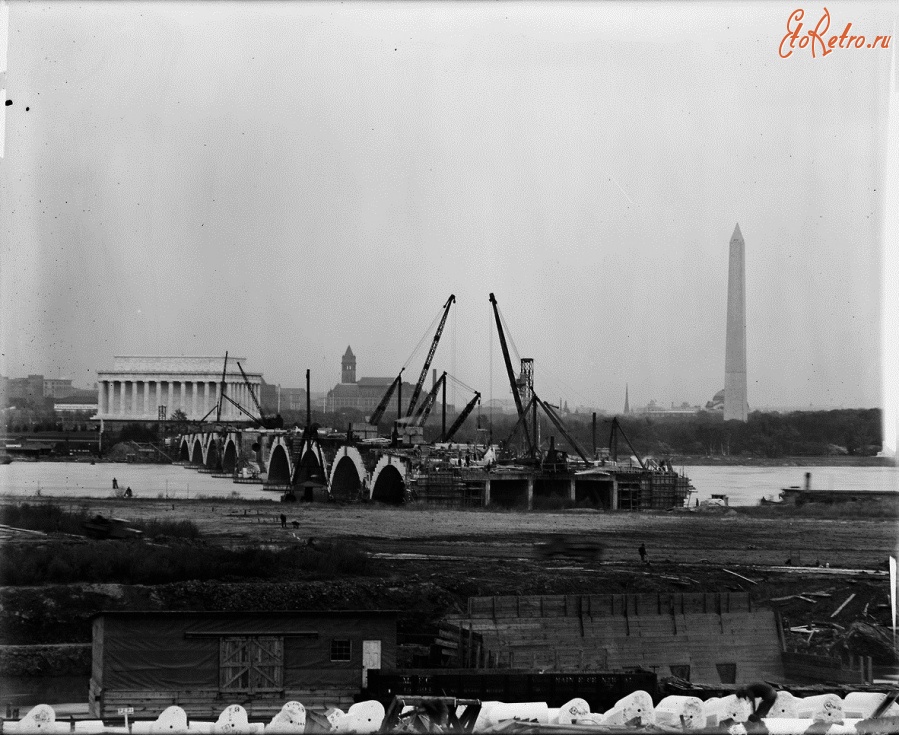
column 678, row 537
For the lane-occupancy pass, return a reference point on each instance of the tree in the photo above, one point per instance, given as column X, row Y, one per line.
column 179, row 421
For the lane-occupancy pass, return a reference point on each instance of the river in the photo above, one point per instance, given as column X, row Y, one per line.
column 742, row 485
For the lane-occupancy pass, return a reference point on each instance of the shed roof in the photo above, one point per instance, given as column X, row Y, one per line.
column 241, row 613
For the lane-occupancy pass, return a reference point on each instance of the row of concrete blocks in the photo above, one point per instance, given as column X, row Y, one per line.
column 788, row 715
column 364, row 717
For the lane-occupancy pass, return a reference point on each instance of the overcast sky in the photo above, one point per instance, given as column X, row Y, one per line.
column 282, row 180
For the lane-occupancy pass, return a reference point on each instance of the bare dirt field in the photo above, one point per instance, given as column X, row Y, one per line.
column 685, row 537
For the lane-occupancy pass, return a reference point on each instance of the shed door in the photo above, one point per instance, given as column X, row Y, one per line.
column 251, row 664
column 371, row 658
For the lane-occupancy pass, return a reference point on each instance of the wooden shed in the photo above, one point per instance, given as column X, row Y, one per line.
column 205, row 661
column 714, row 638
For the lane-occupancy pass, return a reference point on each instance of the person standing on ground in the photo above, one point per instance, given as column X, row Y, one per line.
column 283, row 521
column 642, row 551
column 115, row 484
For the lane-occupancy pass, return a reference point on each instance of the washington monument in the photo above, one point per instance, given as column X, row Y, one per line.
column 735, row 405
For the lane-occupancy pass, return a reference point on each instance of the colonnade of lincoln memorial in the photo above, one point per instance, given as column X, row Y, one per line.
column 137, row 386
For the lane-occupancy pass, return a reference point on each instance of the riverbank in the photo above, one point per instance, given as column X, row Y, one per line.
column 741, row 461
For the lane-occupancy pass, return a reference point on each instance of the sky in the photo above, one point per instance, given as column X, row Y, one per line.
column 281, row 180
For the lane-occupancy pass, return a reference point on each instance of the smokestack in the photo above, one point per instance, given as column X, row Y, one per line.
column 434, row 377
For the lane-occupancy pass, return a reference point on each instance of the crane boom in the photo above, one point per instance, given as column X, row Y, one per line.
column 561, row 427
column 505, row 348
column 461, row 419
column 510, row 371
column 382, row 406
column 424, row 371
column 246, row 380
column 218, row 412
column 617, row 425
column 424, row 410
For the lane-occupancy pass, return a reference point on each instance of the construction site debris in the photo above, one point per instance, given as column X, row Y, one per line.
column 751, row 581
column 846, row 602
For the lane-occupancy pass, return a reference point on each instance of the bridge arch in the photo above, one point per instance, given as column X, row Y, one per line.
column 213, row 455
column 184, row 450
column 196, row 455
column 278, row 466
column 347, row 474
column 312, row 462
column 229, row 456
column 388, row 482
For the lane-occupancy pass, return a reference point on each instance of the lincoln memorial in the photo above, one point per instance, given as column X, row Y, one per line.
column 137, row 386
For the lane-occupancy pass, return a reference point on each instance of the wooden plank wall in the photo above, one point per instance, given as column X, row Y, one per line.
column 609, row 632
column 806, row 667
column 538, row 606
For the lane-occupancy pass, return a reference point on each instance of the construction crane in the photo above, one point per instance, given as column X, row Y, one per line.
column 382, row 406
column 218, row 410
column 246, row 381
column 613, row 442
column 457, row 424
column 427, row 366
column 513, row 381
column 557, row 421
column 421, row 415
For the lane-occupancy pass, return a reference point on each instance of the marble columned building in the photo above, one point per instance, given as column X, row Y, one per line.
column 137, row 386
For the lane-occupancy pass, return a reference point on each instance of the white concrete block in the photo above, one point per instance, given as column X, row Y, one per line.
column 862, row 705
column 786, row 705
column 571, row 712
column 821, row 708
column 680, row 712
column 731, row 707
column 635, row 706
column 172, row 720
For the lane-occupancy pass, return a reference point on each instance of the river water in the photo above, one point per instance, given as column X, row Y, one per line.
column 742, row 485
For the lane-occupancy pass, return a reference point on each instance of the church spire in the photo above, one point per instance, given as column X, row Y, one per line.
column 627, row 407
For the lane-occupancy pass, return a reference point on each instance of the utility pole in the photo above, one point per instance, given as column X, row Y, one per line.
column 308, row 402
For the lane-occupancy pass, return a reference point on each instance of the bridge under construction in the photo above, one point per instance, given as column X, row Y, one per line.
column 525, row 470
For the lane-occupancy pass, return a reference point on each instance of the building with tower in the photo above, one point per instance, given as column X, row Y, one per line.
column 735, row 403
column 348, row 367
column 363, row 394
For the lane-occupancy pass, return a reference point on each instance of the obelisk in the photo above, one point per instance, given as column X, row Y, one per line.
column 735, row 405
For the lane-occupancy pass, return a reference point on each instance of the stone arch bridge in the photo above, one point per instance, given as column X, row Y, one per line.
column 284, row 461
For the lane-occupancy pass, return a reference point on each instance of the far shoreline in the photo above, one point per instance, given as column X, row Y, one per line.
column 830, row 461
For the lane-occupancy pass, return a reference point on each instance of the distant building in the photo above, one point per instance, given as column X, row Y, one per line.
column 363, row 394
column 81, row 401
column 145, row 388
column 717, row 402
column 499, row 405
column 34, row 388
column 277, row 399
column 658, row 411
